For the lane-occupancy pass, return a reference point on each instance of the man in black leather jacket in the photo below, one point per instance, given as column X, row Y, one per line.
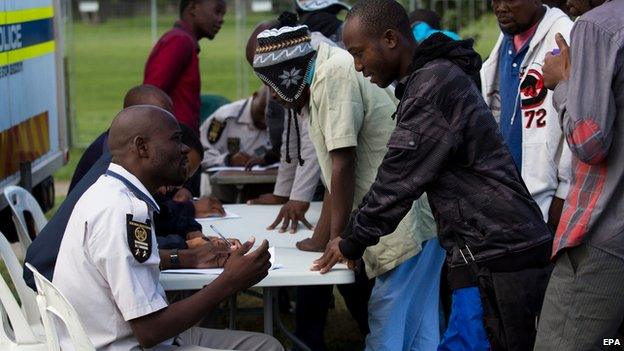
column 447, row 144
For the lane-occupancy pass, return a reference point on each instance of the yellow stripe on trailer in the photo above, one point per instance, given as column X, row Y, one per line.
column 20, row 16
column 26, row 53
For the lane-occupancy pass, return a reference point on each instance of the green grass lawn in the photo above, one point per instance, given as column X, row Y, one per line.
column 485, row 32
column 108, row 59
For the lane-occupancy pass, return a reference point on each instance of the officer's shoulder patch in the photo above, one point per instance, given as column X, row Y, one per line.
column 139, row 238
column 215, row 130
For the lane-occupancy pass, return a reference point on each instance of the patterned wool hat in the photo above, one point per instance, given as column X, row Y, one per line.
column 315, row 5
column 283, row 60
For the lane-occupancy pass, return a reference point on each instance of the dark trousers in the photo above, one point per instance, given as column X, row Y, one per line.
column 584, row 303
column 313, row 303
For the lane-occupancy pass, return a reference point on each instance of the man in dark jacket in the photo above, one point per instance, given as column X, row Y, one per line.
column 447, row 143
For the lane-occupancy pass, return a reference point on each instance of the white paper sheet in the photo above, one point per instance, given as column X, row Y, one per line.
column 228, row 215
column 254, row 168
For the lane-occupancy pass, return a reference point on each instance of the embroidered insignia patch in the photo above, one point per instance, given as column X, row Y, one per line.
column 215, row 130
column 139, row 239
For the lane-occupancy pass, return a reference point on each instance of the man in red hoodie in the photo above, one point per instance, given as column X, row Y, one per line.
column 173, row 64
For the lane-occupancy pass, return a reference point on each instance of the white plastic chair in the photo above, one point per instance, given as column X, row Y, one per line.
column 52, row 303
column 18, row 336
column 21, row 200
column 26, row 295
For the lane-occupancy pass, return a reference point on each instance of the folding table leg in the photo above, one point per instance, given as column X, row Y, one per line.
column 239, row 193
column 232, row 307
column 268, row 310
column 280, row 325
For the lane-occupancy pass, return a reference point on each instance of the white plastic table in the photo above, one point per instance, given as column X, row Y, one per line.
column 296, row 264
column 254, row 221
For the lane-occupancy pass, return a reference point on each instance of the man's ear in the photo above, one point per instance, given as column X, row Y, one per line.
column 390, row 38
column 140, row 144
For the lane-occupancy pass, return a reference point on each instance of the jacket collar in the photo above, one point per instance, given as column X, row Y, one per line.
column 133, row 183
column 551, row 16
column 244, row 113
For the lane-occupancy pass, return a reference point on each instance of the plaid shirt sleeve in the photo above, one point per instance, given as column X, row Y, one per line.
column 419, row 148
column 586, row 101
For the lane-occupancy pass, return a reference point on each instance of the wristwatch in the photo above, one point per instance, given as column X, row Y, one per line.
column 174, row 259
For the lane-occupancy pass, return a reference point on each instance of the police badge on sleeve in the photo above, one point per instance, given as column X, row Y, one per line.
column 215, row 130
column 139, row 238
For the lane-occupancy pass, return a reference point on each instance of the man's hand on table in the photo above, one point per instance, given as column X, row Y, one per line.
column 290, row 215
column 193, row 240
column 254, row 161
column 244, row 270
column 239, row 159
column 183, row 195
column 206, row 254
column 268, row 199
column 331, row 256
column 208, row 207
column 309, row 244
column 194, row 235
column 316, row 243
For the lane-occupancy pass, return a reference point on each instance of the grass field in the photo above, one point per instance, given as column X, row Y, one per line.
column 108, row 59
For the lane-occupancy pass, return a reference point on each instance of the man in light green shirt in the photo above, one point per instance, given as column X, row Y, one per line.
column 349, row 124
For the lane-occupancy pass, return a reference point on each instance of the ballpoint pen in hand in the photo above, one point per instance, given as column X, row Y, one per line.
column 221, row 235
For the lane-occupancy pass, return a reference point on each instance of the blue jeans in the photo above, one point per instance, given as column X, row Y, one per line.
column 403, row 311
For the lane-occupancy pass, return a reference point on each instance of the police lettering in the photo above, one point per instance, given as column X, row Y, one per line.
column 10, row 37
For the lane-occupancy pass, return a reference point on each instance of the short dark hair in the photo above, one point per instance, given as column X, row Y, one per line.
column 191, row 139
column 184, row 4
column 427, row 16
column 377, row 16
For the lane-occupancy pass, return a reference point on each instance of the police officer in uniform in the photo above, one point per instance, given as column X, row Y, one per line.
column 237, row 132
column 108, row 262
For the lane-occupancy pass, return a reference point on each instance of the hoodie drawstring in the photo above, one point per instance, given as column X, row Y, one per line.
column 288, row 159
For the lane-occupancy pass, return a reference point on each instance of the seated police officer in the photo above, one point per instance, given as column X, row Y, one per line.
column 175, row 218
column 108, row 262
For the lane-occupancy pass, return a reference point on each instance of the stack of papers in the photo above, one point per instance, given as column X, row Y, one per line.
column 217, row 271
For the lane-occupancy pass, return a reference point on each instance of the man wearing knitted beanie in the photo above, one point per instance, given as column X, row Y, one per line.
column 350, row 124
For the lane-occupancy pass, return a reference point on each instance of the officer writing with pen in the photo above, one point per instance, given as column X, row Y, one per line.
column 108, row 260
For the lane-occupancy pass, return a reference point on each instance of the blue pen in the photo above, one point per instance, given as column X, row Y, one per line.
column 555, row 52
column 221, row 235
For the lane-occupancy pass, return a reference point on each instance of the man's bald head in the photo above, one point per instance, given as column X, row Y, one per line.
column 147, row 141
column 138, row 120
column 148, row 95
